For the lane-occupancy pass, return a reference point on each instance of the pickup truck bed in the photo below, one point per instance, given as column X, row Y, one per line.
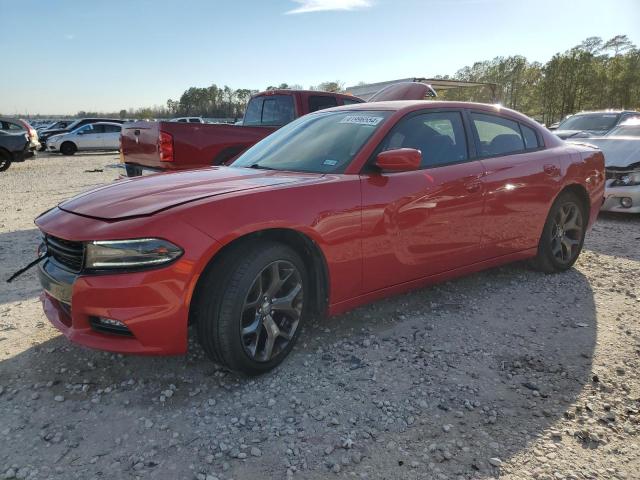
column 194, row 145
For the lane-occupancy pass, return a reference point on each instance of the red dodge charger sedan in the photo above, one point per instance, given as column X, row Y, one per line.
column 337, row 209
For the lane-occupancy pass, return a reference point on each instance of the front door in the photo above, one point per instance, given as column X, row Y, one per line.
column 428, row 221
column 88, row 137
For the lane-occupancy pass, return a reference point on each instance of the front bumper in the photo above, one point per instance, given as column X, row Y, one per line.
column 151, row 305
column 613, row 196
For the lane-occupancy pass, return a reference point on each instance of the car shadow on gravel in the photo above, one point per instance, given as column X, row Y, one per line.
column 441, row 379
column 17, row 249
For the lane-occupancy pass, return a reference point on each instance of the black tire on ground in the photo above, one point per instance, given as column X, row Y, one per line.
column 68, row 148
column 132, row 170
column 5, row 160
column 233, row 296
column 563, row 235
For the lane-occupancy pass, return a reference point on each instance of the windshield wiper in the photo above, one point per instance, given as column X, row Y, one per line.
column 260, row 167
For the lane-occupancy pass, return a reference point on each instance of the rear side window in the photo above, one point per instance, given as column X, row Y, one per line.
column 194, row 120
column 497, row 135
column 275, row 110
column 530, row 137
column 112, row 129
column 319, row 102
column 12, row 127
column 440, row 136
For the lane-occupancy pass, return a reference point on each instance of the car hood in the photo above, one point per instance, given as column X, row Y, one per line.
column 619, row 152
column 144, row 196
column 564, row 134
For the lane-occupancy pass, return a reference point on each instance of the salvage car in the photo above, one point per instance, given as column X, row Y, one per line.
column 14, row 147
column 337, row 209
column 621, row 148
column 13, row 125
column 592, row 124
column 93, row 136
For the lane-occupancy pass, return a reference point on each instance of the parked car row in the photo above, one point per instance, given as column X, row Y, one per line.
column 73, row 127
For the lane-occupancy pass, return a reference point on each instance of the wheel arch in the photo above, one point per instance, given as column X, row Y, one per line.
column 581, row 192
column 4, row 151
column 310, row 252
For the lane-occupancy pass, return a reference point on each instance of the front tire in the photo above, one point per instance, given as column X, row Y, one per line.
column 563, row 235
column 250, row 307
column 68, row 148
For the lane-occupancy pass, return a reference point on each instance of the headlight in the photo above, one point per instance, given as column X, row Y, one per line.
column 130, row 254
column 627, row 179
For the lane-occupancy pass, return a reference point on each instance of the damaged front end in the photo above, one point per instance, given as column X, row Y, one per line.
column 622, row 193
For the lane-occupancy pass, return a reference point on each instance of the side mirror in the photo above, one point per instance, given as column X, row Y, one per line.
column 399, row 160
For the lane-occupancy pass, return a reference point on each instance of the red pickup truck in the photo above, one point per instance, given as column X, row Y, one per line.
column 165, row 146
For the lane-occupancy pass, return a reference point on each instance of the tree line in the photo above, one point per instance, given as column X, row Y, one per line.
column 593, row 75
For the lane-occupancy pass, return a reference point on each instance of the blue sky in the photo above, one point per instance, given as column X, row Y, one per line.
column 65, row 56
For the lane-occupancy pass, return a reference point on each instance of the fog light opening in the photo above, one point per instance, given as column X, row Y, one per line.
column 109, row 325
column 626, row 202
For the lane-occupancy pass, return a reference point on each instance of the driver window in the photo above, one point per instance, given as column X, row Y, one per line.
column 440, row 136
column 86, row 129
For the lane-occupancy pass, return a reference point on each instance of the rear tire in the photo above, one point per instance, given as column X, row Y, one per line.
column 68, row 148
column 563, row 235
column 250, row 307
column 5, row 160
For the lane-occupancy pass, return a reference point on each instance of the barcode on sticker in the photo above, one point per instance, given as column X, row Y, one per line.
column 361, row 119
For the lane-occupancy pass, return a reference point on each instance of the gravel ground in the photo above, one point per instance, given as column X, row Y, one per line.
column 504, row 374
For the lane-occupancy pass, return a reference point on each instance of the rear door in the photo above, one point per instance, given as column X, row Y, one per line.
column 423, row 222
column 521, row 179
column 111, row 139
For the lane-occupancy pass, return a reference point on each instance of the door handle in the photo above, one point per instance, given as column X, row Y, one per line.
column 551, row 170
column 473, row 187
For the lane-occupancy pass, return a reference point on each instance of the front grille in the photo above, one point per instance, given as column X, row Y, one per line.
column 610, row 174
column 67, row 253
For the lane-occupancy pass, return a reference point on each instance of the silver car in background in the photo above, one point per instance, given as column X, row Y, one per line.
column 621, row 148
column 93, row 136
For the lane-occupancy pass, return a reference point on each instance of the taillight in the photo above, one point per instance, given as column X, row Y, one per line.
column 165, row 147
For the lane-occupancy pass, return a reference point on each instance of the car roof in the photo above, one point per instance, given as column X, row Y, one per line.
column 601, row 112
column 406, row 106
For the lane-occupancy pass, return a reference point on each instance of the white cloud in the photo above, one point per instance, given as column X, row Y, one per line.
column 308, row 6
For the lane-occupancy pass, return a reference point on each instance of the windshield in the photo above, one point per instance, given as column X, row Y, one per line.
column 625, row 131
column 318, row 143
column 591, row 121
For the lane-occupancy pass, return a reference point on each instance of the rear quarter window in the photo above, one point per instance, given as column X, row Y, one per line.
column 530, row 137
column 497, row 135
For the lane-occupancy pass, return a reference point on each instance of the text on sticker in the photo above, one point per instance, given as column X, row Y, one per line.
column 361, row 119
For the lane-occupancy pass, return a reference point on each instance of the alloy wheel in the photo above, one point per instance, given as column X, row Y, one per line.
column 566, row 234
column 271, row 311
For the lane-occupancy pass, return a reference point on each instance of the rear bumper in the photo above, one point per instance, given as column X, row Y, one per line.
column 151, row 305
column 614, row 195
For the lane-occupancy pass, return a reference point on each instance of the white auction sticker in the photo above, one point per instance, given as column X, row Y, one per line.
column 361, row 119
